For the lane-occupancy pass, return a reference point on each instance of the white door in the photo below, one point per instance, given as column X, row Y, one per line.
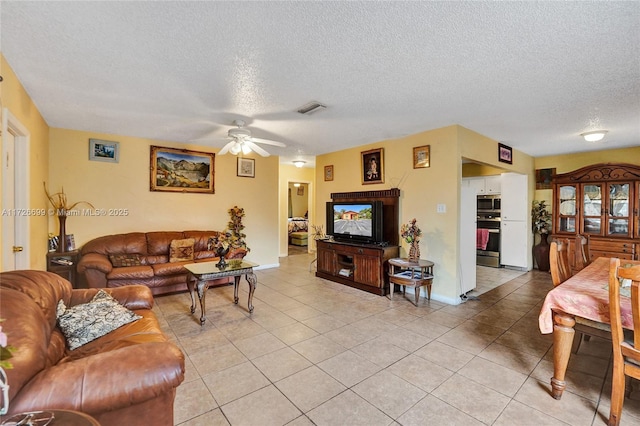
column 514, row 248
column 468, row 216
column 514, row 225
column 515, row 203
column 15, row 204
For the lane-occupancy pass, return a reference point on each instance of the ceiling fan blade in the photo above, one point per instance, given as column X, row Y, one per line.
column 226, row 148
column 268, row 142
column 256, row 148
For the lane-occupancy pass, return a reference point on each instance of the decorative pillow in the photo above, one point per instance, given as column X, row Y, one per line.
column 122, row 260
column 181, row 250
column 86, row 322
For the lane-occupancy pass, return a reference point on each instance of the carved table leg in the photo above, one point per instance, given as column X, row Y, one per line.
column 191, row 287
column 202, row 287
column 236, row 283
column 252, row 279
column 417, row 293
column 563, row 333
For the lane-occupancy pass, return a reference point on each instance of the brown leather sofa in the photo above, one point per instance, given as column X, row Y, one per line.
column 127, row 375
column 152, row 248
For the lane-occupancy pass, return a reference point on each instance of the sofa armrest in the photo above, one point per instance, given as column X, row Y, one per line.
column 105, row 381
column 130, row 296
column 95, row 261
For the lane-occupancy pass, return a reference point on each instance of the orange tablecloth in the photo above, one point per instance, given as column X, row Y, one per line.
column 584, row 295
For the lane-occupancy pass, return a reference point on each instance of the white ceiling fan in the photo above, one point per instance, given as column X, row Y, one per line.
column 242, row 141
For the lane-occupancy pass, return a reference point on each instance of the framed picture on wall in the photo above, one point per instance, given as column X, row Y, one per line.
column 246, row 167
column 100, row 150
column 505, row 154
column 372, row 163
column 182, row 170
column 328, row 173
column 543, row 178
column 421, row 157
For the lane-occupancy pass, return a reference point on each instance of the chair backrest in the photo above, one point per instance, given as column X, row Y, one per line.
column 582, row 257
column 559, row 261
column 619, row 272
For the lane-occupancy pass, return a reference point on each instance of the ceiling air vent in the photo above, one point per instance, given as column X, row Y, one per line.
column 311, row 107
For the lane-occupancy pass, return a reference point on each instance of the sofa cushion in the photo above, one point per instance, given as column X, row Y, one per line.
column 120, row 260
column 131, row 272
column 181, row 250
column 86, row 322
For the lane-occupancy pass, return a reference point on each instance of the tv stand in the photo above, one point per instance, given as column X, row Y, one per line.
column 362, row 266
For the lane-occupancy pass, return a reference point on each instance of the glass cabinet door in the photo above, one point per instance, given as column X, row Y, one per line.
column 567, row 197
column 592, row 209
column 618, row 211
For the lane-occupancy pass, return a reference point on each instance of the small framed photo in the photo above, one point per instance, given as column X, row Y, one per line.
column 100, row 150
column 246, row 167
column 505, row 154
column 328, row 173
column 301, row 190
column 372, row 163
column 71, row 242
column 421, row 157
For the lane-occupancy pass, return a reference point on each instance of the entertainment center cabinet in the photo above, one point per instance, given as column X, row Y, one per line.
column 362, row 266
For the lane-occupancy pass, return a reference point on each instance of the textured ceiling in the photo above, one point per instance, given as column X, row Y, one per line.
column 532, row 75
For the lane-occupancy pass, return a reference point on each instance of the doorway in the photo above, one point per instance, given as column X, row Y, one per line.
column 298, row 218
column 15, row 193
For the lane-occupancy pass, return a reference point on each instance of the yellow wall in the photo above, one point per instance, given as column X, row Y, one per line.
column 14, row 97
column 290, row 174
column 421, row 189
column 125, row 185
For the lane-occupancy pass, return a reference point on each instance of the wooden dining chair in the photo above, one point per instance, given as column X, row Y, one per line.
column 560, row 272
column 626, row 351
column 581, row 256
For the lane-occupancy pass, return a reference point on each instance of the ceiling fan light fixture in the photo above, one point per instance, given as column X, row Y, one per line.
column 311, row 107
column 299, row 163
column 235, row 149
column 245, row 149
column 594, row 135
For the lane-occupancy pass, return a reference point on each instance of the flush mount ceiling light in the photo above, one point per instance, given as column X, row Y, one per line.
column 296, row 185
column 311, row 107
column 299, row 163
column 594, row 135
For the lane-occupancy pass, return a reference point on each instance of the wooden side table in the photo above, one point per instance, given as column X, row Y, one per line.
column 410, row 273
column 63, row 264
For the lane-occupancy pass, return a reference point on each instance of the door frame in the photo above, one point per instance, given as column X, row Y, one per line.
column 22, row 139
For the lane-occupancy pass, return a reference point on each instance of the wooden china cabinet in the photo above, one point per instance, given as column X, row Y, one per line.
column 602, row 203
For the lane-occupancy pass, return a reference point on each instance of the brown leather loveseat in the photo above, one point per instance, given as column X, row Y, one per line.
column 124, row 377
column 147, row 259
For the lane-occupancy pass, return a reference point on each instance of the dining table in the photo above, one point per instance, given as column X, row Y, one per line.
column 585, row 295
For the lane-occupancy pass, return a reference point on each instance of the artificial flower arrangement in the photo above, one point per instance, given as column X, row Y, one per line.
column 410, row 232
column 232, row 237
column 60, row 203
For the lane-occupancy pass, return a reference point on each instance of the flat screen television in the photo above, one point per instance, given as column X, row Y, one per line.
column 360, row 221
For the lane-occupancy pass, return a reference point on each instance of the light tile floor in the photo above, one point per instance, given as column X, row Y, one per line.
column 317, row 352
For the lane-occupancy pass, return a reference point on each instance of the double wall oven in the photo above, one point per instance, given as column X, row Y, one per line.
column 488, row 231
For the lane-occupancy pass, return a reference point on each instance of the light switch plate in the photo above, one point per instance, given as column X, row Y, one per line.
column 442, row 208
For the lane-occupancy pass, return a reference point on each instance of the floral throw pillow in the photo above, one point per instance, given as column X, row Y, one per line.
column 86, row 322
column 124, row 260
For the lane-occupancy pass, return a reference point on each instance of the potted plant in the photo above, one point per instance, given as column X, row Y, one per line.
column 541, row 224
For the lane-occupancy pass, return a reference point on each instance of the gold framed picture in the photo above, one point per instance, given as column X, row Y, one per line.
column 372, row 163
column 182, row 170
column 421, row 157
column 328, row 173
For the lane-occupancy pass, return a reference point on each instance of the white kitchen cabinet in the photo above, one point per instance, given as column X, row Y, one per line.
column 483, row 185
column 515, row 203
column 514, row 243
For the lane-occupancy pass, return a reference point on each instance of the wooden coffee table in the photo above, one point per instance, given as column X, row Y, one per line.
column 203, row 272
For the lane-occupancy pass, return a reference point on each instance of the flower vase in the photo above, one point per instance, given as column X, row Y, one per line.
column 541, row 253
column 414, row 251
column 221, row 252
column 62, row 243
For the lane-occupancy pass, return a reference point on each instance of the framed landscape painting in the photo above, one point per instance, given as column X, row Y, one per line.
column 100, row 150
column 182, row 170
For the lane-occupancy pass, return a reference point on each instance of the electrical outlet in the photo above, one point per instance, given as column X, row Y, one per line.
column 442, row 208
